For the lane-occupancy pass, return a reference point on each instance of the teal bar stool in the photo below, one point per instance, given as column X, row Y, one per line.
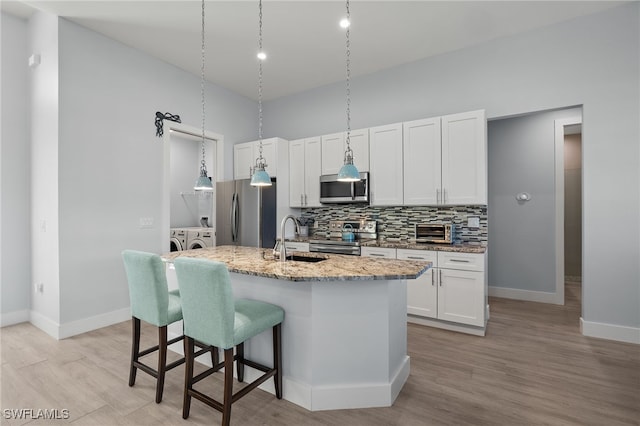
column 212, row 316
column 152, row 302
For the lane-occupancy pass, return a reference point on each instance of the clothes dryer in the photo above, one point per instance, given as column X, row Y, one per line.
column 177, row 239
column 200, row 238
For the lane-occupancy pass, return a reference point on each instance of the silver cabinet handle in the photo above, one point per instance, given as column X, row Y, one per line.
column 416, row 257
column 433, row 277
column 437, row 196
column 444, row 196
column 376, row 254
column 305, row 199
column 459, row 260
column 440, row 278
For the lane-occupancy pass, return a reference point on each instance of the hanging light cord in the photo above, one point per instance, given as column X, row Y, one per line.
column 203, row 164
column 348, row 152
column 260, row 158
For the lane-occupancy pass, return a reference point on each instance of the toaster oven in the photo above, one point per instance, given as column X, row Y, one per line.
column 435, row 233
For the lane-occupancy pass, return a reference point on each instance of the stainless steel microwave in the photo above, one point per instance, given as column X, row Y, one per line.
column 332, row 191
column 438, row 233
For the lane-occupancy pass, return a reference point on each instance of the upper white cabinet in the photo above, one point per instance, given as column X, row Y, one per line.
column 445, row 160
column 464, row 158
column 245, row 155
column 385, row 149
column 422, row 165
column 304, row 172
column 334, row 146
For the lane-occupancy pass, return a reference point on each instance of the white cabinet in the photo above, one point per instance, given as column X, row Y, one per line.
column 422, row 166
column 296, row 246
column 422, row 293
column 464, row 158
column 382, row 252
column 453, row 290
column 304, row 172
column 334, row 146
column 445, row 160
column 245, row 155
column 243, row 160
column 385, row 149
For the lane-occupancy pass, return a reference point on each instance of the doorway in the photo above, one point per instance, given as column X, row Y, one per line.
column 187, row 206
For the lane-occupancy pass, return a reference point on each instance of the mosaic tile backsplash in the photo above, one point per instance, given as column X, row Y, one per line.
column 398, row 222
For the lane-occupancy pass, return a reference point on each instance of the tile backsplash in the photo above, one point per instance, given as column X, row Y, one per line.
column 398, row 222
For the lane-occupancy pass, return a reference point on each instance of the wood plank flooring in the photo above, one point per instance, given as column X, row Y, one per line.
column 533, row 367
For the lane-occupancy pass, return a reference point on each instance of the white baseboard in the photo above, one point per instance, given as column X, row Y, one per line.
column 45, row 324
column 461, row 328
column 15, row 317
column 62, row 331
column 93, row 323
column 528, row 295
column 619, row 333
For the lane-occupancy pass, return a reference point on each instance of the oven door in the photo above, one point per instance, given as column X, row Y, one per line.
column 334, row 191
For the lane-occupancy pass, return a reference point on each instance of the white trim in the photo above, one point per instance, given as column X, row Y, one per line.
column 559, row 200
column 528, row 295
column 15, row 317
column 45, row 324
column 93, row 323
column 218, row 145
column 618, row 333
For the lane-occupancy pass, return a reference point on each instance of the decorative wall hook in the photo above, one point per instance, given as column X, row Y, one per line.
column 159, row 121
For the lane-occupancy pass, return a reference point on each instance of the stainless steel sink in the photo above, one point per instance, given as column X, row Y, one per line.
column 299, row 258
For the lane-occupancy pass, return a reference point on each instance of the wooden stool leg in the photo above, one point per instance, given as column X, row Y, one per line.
column 277, row 359
column 188, row 375
column 240, row 361
column 214, row 356
column 228, row 386
column 135, row 349
column 162, row 361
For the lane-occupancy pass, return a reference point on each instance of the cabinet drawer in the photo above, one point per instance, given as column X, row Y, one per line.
column 388, row 253
column 425, row 255
column 461, row 261
column 297, row 246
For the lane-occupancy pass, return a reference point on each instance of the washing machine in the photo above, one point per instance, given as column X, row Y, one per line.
column 178, row 239
column 200, row 238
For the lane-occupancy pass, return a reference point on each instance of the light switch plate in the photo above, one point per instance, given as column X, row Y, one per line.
column 146, row 222
column 473, row 222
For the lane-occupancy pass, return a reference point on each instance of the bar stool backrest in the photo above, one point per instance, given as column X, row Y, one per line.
column 148, row 288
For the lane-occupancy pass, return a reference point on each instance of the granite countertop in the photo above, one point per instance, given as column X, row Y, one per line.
column 259, row 262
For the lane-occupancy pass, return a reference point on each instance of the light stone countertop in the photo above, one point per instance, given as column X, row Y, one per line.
column 336, row 267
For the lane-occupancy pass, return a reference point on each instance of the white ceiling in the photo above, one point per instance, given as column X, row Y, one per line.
column 306, row 47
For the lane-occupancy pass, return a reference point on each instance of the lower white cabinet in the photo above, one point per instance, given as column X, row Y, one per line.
column 453, row 290
column 388, row 253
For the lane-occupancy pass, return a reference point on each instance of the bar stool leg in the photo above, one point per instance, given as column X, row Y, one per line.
column 240, row 361
column 228, row 386
column 277, row 359
column 162, row 361
column 135, row 349
column 188, row 375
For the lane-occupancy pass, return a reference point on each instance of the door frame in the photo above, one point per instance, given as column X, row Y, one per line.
column 559, row 200
column 217, row 141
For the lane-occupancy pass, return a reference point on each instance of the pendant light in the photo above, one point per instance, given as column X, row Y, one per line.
column 348, row 172
column 260, row 177
column 203, row 183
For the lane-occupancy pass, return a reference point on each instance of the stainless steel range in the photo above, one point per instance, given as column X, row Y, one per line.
column 346, row 237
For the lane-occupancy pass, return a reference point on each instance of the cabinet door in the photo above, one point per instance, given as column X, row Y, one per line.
column 422, row 293
column 461, row 296
column 385, row 158
column 243, row 160
column 422, row 172
column 296, row 173
column 383, row 252
column 313, row 169
column 332, row 153
column 360, row 146
column 464, row 158
column 270, row 154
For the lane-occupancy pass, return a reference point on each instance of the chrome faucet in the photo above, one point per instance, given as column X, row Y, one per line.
column 283, row 247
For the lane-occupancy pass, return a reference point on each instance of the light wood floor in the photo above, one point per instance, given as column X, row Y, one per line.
column 532, row 367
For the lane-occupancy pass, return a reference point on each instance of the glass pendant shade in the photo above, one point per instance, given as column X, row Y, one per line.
column 348, row 172
column 260, row 177
column 203, row 183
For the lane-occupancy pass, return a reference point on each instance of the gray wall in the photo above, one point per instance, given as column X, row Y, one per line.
column 15, row 217
column 591, row 61
column 522, row 237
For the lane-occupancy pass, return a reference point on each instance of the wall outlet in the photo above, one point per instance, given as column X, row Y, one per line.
column 146, row 222
column 473, row 222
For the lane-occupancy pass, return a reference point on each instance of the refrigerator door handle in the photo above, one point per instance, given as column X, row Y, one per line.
column 233, row 215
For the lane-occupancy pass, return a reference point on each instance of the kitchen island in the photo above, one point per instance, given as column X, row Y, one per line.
column 344, row 336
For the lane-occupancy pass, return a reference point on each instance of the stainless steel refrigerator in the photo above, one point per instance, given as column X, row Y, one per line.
column 245, row 214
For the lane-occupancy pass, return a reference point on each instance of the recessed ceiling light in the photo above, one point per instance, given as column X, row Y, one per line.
column 262, row 56
column 344, row 23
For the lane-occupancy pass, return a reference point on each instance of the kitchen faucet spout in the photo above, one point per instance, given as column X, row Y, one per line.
column 283, row 248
